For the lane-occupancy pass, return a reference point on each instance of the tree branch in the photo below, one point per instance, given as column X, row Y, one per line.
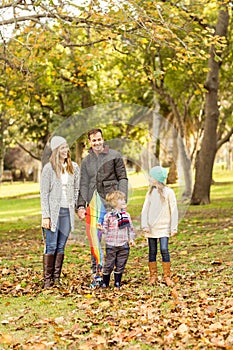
column 225, row 139
column 29, row 152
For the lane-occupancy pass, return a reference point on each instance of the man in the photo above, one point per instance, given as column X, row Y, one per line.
column 103, row 170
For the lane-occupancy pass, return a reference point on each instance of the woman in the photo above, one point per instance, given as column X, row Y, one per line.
column 58, row 192
column 159, row 221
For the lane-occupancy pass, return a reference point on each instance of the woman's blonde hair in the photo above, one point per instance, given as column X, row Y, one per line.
column 57, row 165
column 160, row 187
column 113, row 197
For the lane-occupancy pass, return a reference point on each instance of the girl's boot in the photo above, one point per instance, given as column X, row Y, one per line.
column 57, row 268
column 48, row 266
column 167, row 273
column 153, row 272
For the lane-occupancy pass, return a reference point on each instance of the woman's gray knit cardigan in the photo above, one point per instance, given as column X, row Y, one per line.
column 51, row 192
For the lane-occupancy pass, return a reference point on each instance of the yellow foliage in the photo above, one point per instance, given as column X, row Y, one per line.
column 9, row 103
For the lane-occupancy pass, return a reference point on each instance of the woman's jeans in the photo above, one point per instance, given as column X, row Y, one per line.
column 56, row 241
column 152, row 242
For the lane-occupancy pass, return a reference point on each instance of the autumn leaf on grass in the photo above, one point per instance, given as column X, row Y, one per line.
column 6, row 339
column 182, row 329
column 215, row 326
column 203, row 295
column 174, row 293
column 135, row 333
column 169, row 337
column 183, row 252
column 105, row 304
column 217, row 262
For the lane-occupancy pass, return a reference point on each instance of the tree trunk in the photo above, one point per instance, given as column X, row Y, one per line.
column 2, row 146
column 173, row 173
column 186, row 167
column 79, row 151
column 207, row 152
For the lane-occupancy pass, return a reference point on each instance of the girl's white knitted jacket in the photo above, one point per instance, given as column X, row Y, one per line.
column 160, row 217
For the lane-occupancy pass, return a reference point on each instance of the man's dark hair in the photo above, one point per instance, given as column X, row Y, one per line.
column 93, row 132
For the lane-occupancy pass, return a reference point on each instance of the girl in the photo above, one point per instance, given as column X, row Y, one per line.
column 58, row 193
column 159, row 220
column 119, row 233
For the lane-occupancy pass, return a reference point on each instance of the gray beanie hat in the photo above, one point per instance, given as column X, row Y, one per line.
column 57, row 141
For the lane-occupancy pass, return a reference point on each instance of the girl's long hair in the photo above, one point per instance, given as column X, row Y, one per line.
column 160, row 187
column 58, row 166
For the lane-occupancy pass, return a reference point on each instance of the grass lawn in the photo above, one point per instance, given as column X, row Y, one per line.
column 17, row 189
column 195, row 314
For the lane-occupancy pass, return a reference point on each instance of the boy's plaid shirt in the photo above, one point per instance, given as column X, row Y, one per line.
column 115, row 236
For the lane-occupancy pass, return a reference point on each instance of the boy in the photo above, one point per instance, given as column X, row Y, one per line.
column 119, row 235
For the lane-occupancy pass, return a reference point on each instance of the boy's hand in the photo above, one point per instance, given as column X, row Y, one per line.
column 81, row 213
column 132, row 243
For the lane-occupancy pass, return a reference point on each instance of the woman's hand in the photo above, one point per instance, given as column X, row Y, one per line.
column 46, row 223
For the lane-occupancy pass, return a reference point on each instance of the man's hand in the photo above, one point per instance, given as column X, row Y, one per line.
column 81, row 213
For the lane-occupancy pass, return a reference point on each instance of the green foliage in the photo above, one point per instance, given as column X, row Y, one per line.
column 135, row 52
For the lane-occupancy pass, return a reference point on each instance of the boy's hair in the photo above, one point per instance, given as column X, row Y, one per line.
column 93, row 132
column 113, row 197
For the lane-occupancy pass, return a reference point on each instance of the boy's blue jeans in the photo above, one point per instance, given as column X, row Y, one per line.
column 152, row 242
column 56, row 241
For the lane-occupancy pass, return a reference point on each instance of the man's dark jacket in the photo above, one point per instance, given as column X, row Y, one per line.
column 105, row 173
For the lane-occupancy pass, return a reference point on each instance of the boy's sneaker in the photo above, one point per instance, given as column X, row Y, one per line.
column 97, row 282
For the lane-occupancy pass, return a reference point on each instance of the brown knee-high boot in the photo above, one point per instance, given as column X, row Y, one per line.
column 153, row 272
column 167, row 273
column 48, row 266
column 58, row 267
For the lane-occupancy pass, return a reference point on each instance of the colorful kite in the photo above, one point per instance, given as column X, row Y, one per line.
column 94, row 219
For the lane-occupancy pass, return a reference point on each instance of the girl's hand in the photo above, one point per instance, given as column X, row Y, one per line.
column 146, row 230
column 132, row 243
column 173, row 233
column 46, row 223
